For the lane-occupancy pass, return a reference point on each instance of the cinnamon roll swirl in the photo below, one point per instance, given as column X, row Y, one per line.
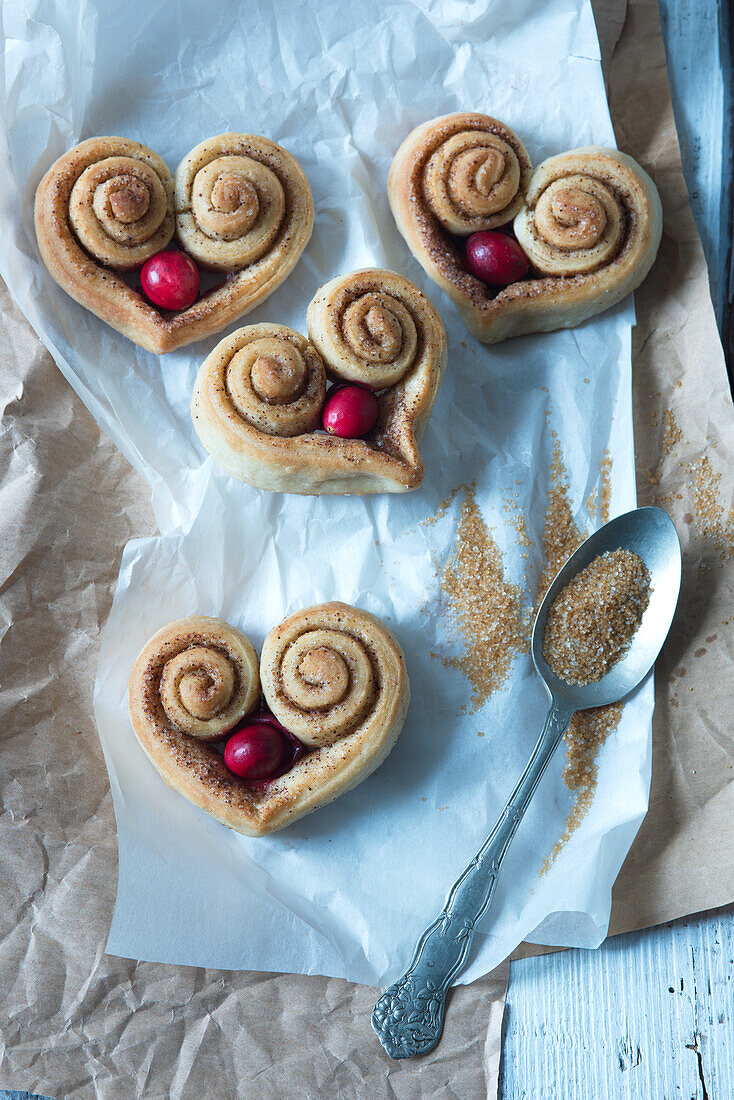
column 191, row 684
column 197, row 676
column 592, row 212
column 365, row 329
column 475, row 175
column 242, row 200
column 263, row 379
column 121, row 206
column 257, row 411
column 589, row 221
column 336, row 675
column 323, row 672
column 239, row 204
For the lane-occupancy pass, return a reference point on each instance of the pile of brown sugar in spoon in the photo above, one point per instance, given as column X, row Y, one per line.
column 595, row 616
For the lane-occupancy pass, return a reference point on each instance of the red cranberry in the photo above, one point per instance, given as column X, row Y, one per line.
column 256, row 751
column 171, row 280
column 293, row 749
column 495, row 258
column 350, row 412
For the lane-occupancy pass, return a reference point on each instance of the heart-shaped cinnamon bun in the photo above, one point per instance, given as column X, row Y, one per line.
column 333, row 675
column 239, row 205
column 589, row 222
column 258, row 396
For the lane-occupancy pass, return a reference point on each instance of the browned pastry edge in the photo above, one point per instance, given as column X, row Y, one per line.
column 537, row 304
column 102, row 291
column 197, row 771
column 387, row 460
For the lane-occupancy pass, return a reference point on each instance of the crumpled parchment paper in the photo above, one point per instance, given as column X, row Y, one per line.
column 346, row 891
column 79, row 1023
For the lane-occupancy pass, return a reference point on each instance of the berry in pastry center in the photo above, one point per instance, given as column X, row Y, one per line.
column 255, row 752
column 171, row 280
column 262, row 749
column 350, row 412
column 495, row 258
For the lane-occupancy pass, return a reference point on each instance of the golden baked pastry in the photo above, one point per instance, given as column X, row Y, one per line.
column 258, row 396
column 240, row 205
column 589, row 221
column 333, row 675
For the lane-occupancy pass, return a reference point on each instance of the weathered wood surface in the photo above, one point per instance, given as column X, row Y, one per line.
column 697, row 35
column 650, row 1015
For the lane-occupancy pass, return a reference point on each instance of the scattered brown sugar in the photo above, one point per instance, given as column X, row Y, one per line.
column 561, row 536
column 711, row 520
column 444, row 505
column 587, row 733
column 601, row 495
column 487, row 609
column 589, row 729
column 672, row 434
column 591, row 501
column 606, row 486
column 516, row 518
column 595, row 616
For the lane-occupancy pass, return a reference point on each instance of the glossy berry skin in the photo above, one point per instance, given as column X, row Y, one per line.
column 495, row 258
column 255, row 751
column 350, row 412
column 170, row 280
column 293, row 749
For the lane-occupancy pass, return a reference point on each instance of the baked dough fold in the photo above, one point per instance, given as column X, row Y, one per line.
column 239, row 204
column 590, row 222
column 374, row 327
column 335, row 677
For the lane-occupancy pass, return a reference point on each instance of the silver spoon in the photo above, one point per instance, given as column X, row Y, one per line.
column 408, row 1017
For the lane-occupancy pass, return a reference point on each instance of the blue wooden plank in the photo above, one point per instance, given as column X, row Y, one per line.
column 650, row 1014
column 21, row 1096
column 697, row 36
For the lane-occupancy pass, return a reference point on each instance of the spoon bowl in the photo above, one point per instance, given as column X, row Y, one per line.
column 649, row 533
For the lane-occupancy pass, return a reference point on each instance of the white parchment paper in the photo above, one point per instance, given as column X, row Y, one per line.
column 347, row 890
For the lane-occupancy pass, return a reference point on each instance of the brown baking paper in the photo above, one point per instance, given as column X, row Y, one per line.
column 683, row 858
column 74, row 1022
column 78, row 1024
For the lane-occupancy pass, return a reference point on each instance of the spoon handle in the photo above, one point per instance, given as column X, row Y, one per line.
column 408, row 1017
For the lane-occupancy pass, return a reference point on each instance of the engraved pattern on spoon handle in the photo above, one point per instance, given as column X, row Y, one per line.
column 408, row 1017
